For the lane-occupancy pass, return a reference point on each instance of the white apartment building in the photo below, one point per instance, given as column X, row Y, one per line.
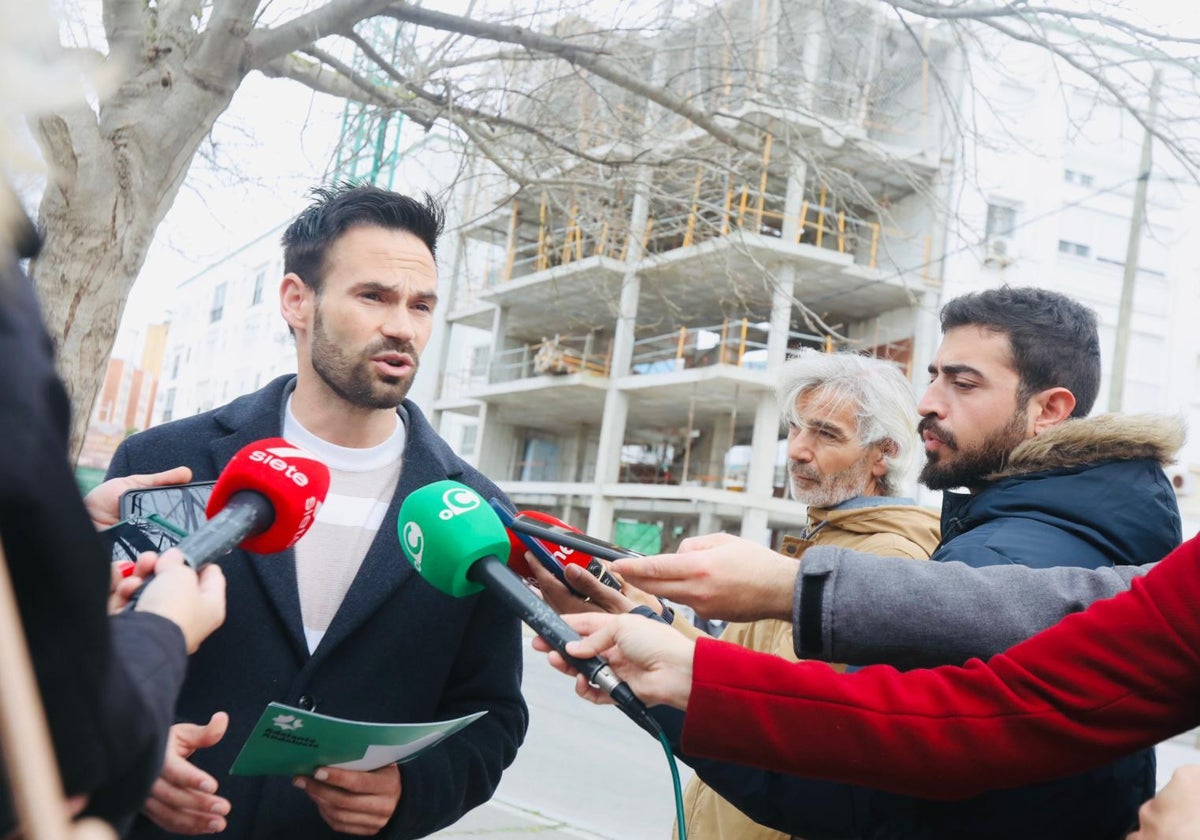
column 226, row 335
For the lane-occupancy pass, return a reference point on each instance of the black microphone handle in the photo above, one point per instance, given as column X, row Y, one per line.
column 502, row 582
column 248, row 512
column 575, row 542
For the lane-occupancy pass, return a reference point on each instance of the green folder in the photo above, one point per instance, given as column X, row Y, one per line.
column 291, row 741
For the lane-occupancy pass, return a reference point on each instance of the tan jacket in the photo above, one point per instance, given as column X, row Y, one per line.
column 890, row 530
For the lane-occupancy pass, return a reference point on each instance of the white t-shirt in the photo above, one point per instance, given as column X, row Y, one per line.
column 362, row 483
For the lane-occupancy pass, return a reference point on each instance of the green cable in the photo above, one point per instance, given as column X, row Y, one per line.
column 167, row 525
column 662, row 739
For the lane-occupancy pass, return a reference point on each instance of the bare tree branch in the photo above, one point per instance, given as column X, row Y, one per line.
column 336, row 17
column 577, row 56
column 124, row 29
column 325, row 79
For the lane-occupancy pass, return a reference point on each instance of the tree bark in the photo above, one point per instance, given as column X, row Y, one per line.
column 115, row 175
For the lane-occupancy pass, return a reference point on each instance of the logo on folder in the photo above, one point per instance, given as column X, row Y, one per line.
column 288, row 723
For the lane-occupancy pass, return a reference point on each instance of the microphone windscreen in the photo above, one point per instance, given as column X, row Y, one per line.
column 292, row 480
column 564, row 554
column 444, row 528
column 516, row 555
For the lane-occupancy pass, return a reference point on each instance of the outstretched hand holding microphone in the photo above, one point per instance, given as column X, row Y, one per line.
column 455, row 540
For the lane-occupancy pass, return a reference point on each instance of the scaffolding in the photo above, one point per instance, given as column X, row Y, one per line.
column 369, row 150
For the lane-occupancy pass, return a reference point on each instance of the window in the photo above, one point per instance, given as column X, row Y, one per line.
column 169, row 406
column 259, row 280
column 1075, row 249
column 175, row 367
column 470, row 434
column 218, row 304
column 1001, row 220
column 479, row 360
column 1081, row 178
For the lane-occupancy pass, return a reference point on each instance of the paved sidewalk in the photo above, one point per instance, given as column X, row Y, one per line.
column 503, row 820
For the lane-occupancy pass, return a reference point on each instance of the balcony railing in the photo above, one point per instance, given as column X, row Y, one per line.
column 551, row 357
column 742, row 343
column 716, row 474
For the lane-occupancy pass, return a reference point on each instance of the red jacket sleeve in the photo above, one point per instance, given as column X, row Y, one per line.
column 1120, row 676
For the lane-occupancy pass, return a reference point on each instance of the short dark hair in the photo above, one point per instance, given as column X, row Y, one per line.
column 344, row 205
column 1055, row 341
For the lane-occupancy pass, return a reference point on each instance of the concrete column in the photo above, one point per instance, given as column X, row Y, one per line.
column 708, row 455
column 815, row 41
column 761, row 473
column 493, row 440
column 793, row 200
column 781, row 315
column 616, row 403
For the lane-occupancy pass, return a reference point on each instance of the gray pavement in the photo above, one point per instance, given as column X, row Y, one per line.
column 584, row 771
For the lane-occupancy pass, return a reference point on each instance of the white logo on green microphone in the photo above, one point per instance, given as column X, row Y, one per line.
column 459, row 500
column 414, row 543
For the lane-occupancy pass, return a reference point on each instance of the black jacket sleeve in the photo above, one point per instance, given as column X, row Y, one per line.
column 105, row 704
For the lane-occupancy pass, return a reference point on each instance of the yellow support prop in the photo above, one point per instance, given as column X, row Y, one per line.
column 728, row 205
column 762, row 183
column 821, row 218
column 512, row 244
column 543, row 258
column 691, row 223
column 602, row 242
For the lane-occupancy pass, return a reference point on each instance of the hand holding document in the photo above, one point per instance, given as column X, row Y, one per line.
column 290, row 741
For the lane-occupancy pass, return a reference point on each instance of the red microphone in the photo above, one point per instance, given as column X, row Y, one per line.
column 265, row 500
column 564, row 554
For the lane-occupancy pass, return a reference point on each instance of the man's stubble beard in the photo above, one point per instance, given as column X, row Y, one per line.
column 352, row 379
column 969, row 467
column 834, row 489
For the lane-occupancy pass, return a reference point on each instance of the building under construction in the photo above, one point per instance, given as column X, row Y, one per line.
column 636, row 311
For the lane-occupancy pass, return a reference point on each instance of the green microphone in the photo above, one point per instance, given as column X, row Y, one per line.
column 454, row 540
column 445, row 527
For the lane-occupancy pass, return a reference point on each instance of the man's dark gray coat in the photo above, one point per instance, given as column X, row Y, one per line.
column 397, row 650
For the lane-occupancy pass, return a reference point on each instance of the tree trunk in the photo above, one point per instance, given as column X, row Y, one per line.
column 113, row 179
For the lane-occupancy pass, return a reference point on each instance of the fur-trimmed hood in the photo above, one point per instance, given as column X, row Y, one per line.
column 1090, row 440
column 1089, row 492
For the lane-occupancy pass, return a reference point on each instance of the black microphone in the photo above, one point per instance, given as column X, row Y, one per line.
column 547, row 528
column 454, row 541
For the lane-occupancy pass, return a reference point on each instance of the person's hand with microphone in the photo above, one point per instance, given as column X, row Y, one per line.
column 194, row 602
column 719, row 576
column 264, row 501
column 589, row 595
column 103, row 501
column 455, row 541
column 654, row 659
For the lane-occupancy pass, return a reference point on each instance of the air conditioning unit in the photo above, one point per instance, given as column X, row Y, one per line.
column 999, row 251
column 1182, row 479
